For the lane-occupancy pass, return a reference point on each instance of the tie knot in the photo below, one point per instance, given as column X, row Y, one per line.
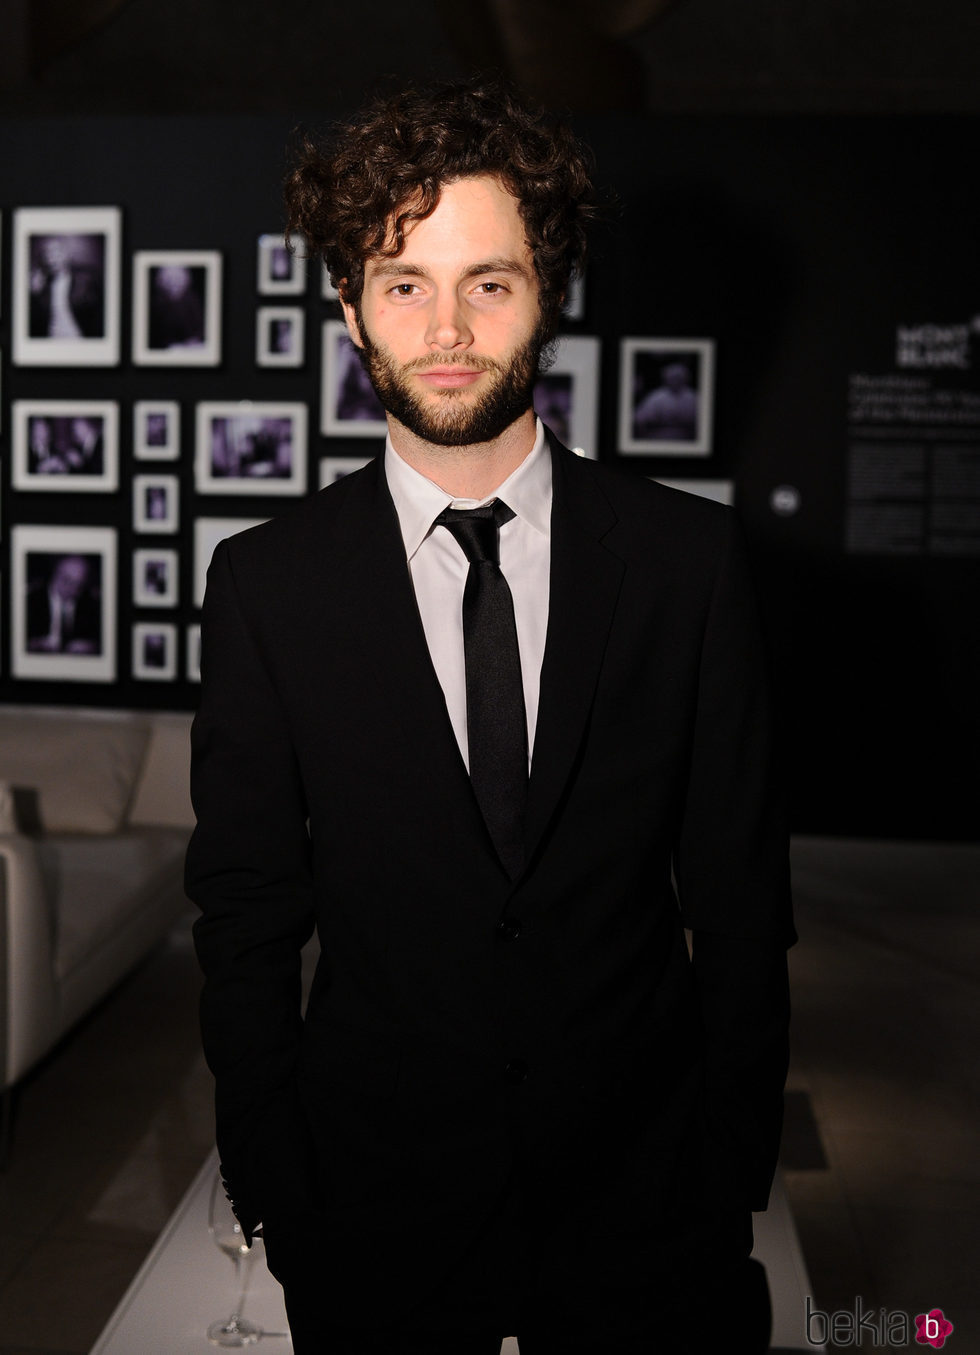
column 476, row 529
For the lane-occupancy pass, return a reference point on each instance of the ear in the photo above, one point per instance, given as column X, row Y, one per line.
column 350, row 317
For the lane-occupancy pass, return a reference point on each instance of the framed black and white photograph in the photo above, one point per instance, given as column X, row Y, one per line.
column 65, row 445
column 156, row 430
column 566, row 398
column 63, row 603
column 279, row 336
column 349, row 406
column 207, row 533
column 155, row 578
column 156, row 504
column 66, row 286
column 666, row 395
column 336, row 467
column 177, row 308
column 154, row 651
column 281, row 270
column 251, row 447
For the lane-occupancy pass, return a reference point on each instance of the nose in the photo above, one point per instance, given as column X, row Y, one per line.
column 447, row 325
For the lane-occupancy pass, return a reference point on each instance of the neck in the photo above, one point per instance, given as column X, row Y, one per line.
column 472, row 472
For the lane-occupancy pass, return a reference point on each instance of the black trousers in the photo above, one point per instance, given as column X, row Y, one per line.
column 558, row 1268
column 726, row 1307
column 736, row 1315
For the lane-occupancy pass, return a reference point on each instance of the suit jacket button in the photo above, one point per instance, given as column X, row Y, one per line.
column 508, row 929
column 516, row 1071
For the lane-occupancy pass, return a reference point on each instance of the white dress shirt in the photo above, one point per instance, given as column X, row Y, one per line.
column 438, row 569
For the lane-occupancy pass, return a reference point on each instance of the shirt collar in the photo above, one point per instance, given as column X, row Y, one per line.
column 419, row 500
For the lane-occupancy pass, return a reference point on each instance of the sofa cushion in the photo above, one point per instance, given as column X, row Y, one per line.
column 82, row 770
column 100, row 886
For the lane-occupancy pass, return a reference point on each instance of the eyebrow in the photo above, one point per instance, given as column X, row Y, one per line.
column 395, row 268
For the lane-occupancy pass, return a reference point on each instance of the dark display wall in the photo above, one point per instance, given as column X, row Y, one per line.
column 815, row 280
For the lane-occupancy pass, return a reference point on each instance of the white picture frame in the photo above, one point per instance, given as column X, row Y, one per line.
column 154, row 651
column 566, row 398
column 66, row 286
column 63, row 603
column 573, row 307
column 208, row 532
column 65, row 446
column 156, row 430
column 280, row 336
column 156, row 577
column 718, row 490
column 281, row 269
column 348, row 405
column 666, row 397
column 156, row 504
column 333, row 468
column 192, row 652
column 327, row 290
column 177, row 308
column 251, row 447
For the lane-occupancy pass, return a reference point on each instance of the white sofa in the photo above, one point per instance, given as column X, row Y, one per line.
column 94, row 820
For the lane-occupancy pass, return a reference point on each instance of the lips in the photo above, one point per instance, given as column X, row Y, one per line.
column 450, row 378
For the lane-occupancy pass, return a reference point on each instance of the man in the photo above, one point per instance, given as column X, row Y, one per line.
column 513, row 1105
column 63, row 610
column 67, row 298
column 669, row 413
column 176, row 307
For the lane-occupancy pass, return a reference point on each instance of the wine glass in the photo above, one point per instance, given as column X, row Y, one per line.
column 226, row 1233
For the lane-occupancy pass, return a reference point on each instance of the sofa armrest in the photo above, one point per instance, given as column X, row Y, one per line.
column 28, row 997
column 162, row 793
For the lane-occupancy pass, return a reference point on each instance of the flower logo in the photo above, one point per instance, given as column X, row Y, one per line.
column 931, row 1329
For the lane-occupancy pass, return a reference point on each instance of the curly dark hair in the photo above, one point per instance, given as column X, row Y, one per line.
column 352, row 198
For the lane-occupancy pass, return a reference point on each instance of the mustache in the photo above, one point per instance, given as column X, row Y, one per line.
column 468, row 360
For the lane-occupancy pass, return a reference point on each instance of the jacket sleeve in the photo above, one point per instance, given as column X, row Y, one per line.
column 249, row 871
column 732, row 871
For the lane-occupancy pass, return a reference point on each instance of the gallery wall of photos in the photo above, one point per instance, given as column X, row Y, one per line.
column 753, row 324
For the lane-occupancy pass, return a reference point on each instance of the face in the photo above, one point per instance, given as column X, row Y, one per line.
column 451, row 327
column 40, row 434
column 70, row 576
column 173, row 280
column 54, row 251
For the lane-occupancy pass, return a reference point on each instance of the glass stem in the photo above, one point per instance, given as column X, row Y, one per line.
column 242, row 1276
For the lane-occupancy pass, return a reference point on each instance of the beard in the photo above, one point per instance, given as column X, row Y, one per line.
column 453, row 420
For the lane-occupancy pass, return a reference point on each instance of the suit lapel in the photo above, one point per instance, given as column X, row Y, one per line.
column 394, row 655
column 585, row 581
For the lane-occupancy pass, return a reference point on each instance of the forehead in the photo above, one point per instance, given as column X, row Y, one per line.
column 475, row 216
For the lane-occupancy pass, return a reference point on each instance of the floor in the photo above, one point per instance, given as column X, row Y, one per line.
column 886, row 983
column 881, row 1151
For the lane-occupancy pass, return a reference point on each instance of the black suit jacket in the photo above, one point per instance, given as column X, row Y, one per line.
column 462, row 1027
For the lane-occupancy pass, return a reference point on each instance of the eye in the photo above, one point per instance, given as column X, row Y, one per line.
column 490, row 290
column 403, row 289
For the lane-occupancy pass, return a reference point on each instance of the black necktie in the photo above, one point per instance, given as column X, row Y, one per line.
column 496, row 725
